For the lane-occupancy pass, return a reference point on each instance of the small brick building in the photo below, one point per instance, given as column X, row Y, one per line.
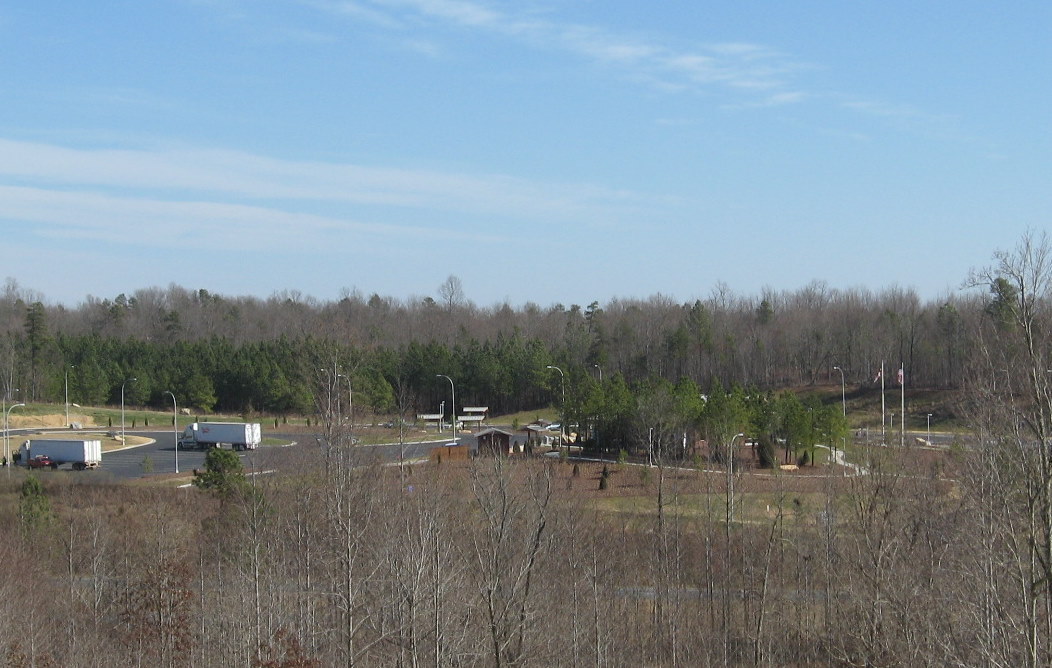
column 493, row 441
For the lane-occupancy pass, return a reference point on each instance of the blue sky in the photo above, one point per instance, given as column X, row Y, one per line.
column 555, row 151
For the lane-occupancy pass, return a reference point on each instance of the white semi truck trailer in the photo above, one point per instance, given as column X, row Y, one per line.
column 204, row 435
column 81, row 454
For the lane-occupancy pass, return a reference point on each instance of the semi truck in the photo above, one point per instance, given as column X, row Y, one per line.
column 205, row 435
column 52, row 453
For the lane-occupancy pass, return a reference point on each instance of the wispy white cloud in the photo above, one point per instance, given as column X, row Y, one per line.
column 160, row 223
column 458, row 11
column 909, row 118
column 428, row 48
column 874, row 108
column 598, row 45
column 355, row 10
column 777, row 99
column 147, row 196
column 751, row 75
column 735, row 65
column 244, row 175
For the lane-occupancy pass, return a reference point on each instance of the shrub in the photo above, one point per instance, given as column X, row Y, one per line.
column 644, row 475
column 224, row 473
column 805, row 458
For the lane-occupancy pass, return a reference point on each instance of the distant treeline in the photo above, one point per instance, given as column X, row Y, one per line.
column 290, row 354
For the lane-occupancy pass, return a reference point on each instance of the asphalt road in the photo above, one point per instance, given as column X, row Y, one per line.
column 305, row 450
column 159, row 457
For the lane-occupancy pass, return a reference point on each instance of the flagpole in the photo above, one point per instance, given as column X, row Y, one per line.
column 902, row 385
column 883, row 408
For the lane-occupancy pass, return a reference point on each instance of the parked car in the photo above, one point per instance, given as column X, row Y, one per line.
column 41, row 462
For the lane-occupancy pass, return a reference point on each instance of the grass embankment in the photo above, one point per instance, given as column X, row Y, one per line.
column 110, row 441
column 864, row 407
column 49, row 416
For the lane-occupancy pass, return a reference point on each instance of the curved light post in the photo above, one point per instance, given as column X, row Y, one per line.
column 650, row 447
column 71, row 366
column 3, row 412
column 562, row 427
column 328, row 391
column 175, row 427
column 730, row 480
column 730, row 446
column 331, row 385
column 843, row 390
column 130, row 380
column 350, row 408
column 452, row 406
column 597, row 417
column 7, row 442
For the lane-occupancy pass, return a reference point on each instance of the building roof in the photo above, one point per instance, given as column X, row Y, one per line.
column 492, row 430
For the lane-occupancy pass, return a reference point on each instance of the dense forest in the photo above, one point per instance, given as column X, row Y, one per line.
column 915, row 556
column 277, row 356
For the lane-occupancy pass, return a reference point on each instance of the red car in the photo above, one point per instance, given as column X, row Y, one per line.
column 42, row 461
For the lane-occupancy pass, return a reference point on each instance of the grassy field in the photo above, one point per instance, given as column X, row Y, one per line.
column 43, row 416
column 750, row 507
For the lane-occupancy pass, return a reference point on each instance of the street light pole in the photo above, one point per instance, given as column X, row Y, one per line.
column 562, row 427
column 929, row 428
column 67, row 392
column 350, row 409
column 650, row 447
column 452, row 406
column 843, row 390
column 123, row 441
column 597, row 447
column 175, row 428
column 328, row 393
column 336, row 390
column 730, row 480
column 3, row 411
column 7, row 429
column 332, row 384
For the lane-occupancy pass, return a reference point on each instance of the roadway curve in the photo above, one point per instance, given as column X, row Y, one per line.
column 158, row 457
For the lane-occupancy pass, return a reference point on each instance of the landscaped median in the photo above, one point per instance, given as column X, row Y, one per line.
column 111, row 441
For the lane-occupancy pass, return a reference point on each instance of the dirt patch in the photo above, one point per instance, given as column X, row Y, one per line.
column 57, row 420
